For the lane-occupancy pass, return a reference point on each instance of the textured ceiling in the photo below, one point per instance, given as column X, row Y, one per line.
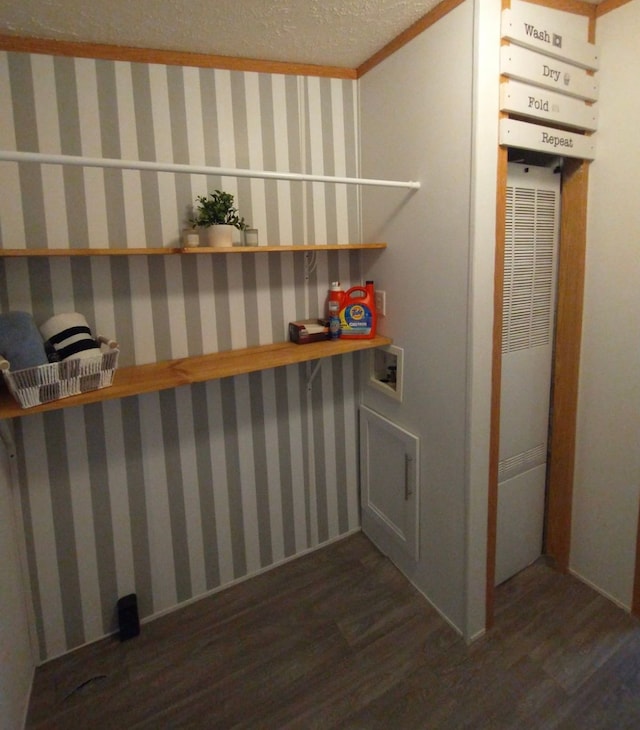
column 326, row 32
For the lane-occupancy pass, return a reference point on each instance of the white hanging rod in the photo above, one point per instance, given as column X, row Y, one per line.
column 12, row 156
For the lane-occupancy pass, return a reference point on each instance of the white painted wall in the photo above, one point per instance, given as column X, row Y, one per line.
column 416, row 124
column 607, row 476
column 16, row 663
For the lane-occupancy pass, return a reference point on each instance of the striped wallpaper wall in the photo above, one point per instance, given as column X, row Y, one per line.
column 176, row 493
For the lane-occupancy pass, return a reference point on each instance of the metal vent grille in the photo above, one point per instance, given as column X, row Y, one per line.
column 528, row 268
column 522, row 462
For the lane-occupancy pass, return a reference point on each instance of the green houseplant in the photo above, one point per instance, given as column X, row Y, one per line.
column 217, row 213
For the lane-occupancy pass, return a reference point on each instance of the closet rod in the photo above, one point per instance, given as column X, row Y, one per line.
column 42, row 158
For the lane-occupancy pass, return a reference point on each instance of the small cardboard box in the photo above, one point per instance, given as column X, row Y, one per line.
column 308, row 330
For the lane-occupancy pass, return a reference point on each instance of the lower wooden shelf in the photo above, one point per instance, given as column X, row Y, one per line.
column 139, row 379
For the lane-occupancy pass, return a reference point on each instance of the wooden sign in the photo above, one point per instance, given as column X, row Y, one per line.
column 535, row 68
column 546, row 139
column 530, row 28
column 538, row 103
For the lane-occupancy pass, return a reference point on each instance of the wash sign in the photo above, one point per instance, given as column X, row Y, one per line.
column 529, row 28
column 546, row 139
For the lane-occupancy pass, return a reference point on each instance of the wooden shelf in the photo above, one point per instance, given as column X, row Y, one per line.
column 18, row 252
column 139, row 379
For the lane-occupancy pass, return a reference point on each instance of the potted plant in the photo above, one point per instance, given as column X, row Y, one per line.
column 217, row 214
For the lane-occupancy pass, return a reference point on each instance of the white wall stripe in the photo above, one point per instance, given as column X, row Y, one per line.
column 207, row 306
column 351, row 438
column 159, row 521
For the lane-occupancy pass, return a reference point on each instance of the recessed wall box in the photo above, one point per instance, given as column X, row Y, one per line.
column 308, row 330
column 386, row 370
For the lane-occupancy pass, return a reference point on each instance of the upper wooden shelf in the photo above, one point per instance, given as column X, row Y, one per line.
column 16, row 252
column 152, row 377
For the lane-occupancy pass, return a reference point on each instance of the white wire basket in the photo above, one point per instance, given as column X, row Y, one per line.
column 45, row 383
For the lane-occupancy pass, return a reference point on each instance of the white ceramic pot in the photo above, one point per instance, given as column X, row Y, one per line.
column 220, row 236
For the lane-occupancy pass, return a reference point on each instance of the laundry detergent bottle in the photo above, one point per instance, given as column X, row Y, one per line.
column 334, row 305
column 358, row 314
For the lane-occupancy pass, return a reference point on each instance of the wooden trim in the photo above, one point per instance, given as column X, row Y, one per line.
column 409, row 34
column 608, row 5
column 170, row 58
column 568, row 6
column 635, row 601
column 568, row 336
column 25, row 252
column 496, row 379
column 153, row 377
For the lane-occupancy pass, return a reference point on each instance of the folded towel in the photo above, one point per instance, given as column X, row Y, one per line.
column 20, row 341
column 69, row 336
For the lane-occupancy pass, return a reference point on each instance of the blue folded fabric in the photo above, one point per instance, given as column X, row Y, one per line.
column 20, row 341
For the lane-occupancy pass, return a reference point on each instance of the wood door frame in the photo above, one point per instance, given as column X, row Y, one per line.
column 566, row 356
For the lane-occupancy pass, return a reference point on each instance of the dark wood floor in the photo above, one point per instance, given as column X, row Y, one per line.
column 339, row 640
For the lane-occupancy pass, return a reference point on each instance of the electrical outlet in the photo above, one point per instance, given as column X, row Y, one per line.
column 381, row 302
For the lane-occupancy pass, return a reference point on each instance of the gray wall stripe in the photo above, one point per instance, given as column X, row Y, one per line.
column 41, row 290
column 147, row 151
column 222, row 310
column 260, row 467
column 160, row 306
column 329, row 161
column 249, row 289
column 32, row 561
column 110, row 141
column 102, row 524
column 351, row 145
column 286, row 455
column 175, row 489
column 65, row 536
column 296, row 161
column 340, row 444
column 137, row 504
column 320, row 448
column 193, row 313
column 202, row 426
column 24, row 119
column 179, row 141
column 70, row 144
column 230, row 421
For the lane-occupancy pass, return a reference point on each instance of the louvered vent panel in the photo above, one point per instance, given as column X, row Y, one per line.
column 522, row 462
column 528, row 268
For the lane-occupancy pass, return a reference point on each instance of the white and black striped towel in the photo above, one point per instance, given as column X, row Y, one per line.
column 69, row 336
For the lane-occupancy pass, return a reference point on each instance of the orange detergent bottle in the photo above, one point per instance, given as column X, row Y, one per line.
column 358, row 313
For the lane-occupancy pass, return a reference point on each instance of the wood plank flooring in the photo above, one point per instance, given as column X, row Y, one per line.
column 339, row 640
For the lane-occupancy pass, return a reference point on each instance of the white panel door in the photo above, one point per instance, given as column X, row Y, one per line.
column 531, row 244
column 389, row 467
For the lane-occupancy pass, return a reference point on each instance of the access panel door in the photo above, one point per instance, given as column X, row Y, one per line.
column 389, row 467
